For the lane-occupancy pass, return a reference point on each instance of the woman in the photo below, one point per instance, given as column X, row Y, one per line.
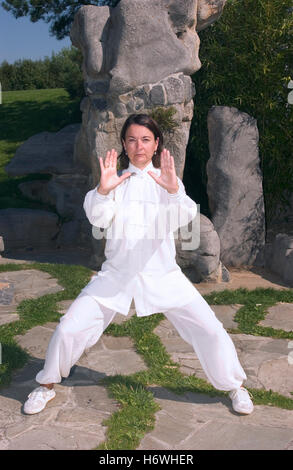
column 140, row 264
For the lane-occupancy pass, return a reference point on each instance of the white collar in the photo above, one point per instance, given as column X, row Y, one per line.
column 134, row 169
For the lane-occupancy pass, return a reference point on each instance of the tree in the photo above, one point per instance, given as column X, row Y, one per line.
column 59, row 13
column 7, row 72
column 62, row 70
column 247, row 63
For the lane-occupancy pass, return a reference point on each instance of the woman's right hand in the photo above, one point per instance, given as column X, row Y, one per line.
column 109, row 178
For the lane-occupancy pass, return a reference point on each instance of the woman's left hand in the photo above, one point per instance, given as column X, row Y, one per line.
column 168, row 177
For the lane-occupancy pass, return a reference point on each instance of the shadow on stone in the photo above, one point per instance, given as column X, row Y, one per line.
column 162, row 393
column 23, row 381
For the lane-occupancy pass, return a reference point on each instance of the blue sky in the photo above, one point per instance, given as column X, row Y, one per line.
column 22, row 39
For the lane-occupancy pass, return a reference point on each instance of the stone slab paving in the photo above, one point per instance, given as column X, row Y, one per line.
column 250, row 278
column 279, row 316
column 24, row 284
column 264, row 359
column 194, row 421
column 6, row 292
column 74, row 419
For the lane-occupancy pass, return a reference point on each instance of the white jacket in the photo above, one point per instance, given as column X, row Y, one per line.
column 138, row 219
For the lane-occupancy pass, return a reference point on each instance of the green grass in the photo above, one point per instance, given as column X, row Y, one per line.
column 136, row 415
column 22, row 115
column 33, row 312
column 255, row 307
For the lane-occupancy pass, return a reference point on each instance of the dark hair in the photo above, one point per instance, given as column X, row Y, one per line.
column 146, row 121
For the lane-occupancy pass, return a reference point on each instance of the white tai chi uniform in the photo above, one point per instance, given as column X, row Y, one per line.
column 138, row 218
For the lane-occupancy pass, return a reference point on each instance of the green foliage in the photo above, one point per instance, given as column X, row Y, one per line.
column 247, row 63
column 164, row 118
column 62, row 70
column 59, row 14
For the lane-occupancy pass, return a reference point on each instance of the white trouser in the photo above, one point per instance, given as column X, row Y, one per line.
column 86, row 319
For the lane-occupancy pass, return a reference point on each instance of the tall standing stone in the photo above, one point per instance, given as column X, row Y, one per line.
column 137, row 56
column 234, row 186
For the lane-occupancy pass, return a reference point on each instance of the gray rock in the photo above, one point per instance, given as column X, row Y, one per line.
column 65, row 192
column 100, row 104
column 24, row 284
column 133, row 26
column 135, row 105
column 6, row 292
column 132, row 56
column 157, row 95
column 135, row 61
column 2, row 248
column 208, row 11
column 36, row 190
column 280, row 316
column 99, row 133
column 88, row 34
column 203, row 261
column 70, row 235
column 46, row 152
column 214, row 425
column 235, row 185
column 175, row 90
column 265, row 360
column 28, row 228
column 113, row 41
column 182, row 13
column 143, row 92
column 96, row 87
column 279, row 257
column 189, row 87
column 120, row 110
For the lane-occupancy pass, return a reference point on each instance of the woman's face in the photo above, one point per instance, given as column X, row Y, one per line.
column 140, row 145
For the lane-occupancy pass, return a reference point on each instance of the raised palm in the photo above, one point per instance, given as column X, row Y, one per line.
column 109, row 178
column 168, row 177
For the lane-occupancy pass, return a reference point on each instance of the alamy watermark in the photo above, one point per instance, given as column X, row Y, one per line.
column 142, row 221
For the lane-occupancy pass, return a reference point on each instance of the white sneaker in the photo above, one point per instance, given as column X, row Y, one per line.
column 241, row 401
column 38, row 399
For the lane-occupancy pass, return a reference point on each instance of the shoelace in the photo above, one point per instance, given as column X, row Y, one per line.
column 241, row 393
column 38, row 391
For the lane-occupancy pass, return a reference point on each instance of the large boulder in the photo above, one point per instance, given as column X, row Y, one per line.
column 133, row 46
column 136, row 57
column 202, row 262
column 234, row 186
column 27, row 229
column 46, row 152
column 64, row 192
column 101, row 127
column 279, row 257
